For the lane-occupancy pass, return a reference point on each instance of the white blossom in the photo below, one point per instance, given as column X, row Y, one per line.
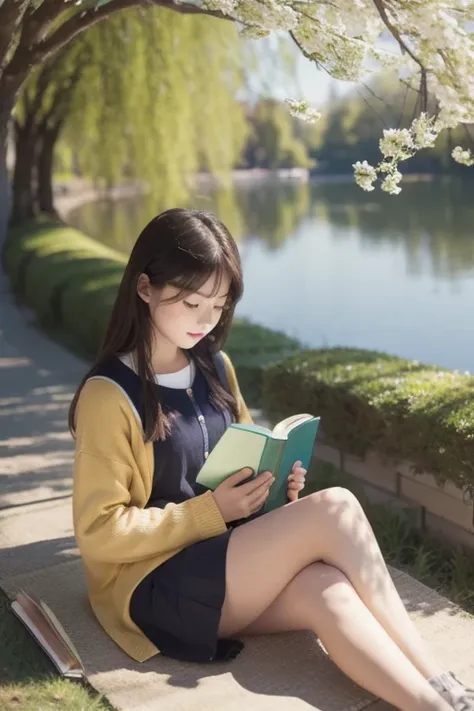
column 365, row 175
column 302, row 110
column 225, row 6
column 396, row 143
column 253, row 33
column 464, row 157
column 424, row 135
column 390, row 184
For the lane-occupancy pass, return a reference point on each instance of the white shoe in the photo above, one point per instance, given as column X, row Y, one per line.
column 460, row 697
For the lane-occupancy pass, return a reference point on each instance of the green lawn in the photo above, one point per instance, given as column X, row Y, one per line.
column 28, row 680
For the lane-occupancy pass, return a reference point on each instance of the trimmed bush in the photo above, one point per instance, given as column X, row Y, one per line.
column 71, row 280
column 251, row 349
column 47, row 258
column 370, row 400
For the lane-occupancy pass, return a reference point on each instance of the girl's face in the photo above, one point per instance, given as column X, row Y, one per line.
column 183, row 323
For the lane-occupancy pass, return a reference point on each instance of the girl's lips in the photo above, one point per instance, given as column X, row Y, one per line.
column 195, row 335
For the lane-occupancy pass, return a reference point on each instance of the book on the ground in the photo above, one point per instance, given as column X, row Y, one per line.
column 41, row 622
column 262, row 449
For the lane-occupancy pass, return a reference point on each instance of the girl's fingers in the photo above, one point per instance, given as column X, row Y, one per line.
column 298, row 474
column 256, row 503
column 296, row 485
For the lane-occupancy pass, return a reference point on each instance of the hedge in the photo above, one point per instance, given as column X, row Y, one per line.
column 369, row 400
column 71, row 280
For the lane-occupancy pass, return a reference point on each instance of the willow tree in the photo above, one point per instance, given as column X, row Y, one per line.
column 125, row 108
column 434, row 39
column 158, row 101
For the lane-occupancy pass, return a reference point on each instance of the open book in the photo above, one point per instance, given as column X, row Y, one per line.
column 262, row 449
column 50, row 635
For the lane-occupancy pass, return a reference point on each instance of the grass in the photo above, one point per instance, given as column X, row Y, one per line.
column 29, row 681
column 436, row 563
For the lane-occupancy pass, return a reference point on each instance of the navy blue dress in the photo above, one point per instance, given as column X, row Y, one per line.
column 178, row 604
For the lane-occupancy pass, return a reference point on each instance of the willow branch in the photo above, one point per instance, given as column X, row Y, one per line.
column 83, row 20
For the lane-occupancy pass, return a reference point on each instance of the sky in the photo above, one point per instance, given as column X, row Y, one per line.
column 307, row 82
column 315, row 84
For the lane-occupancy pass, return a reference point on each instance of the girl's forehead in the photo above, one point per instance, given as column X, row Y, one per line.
column 217, row 286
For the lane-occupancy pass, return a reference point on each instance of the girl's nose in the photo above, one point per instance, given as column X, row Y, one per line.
column 205, row 317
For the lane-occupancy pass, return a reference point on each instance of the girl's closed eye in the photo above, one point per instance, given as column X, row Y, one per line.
column 195, row 306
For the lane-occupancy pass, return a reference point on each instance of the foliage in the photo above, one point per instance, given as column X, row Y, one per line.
column 272, row 143
column 64, row 275
column 403, row 409
column 151, row 101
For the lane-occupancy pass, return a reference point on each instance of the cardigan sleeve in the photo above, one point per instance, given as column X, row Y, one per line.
column 108, row 527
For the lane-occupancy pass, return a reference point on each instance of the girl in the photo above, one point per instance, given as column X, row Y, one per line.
column 167, row 564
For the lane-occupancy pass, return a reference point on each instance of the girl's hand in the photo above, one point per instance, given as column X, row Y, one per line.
column 296, row 481
column 236, row 500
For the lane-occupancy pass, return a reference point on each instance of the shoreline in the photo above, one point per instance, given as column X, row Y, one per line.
column 68, row 197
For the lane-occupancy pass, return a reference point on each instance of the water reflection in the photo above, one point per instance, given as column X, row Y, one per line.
column 332, row 265
column 433, row 221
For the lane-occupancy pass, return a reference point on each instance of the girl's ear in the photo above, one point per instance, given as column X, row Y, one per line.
column 144, row 288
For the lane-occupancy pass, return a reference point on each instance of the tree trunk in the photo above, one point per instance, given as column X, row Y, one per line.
column 44, row 194
column 23, row 196
column 4, row 178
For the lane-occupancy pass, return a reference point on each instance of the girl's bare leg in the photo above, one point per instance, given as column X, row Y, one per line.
column 320, row 598
column 328, row 526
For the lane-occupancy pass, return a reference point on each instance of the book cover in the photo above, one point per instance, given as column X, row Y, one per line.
column 262, row 449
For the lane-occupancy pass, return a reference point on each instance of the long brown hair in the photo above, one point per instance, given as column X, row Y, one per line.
column 182, row 248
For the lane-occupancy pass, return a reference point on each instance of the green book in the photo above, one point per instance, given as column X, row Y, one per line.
column 262, row 449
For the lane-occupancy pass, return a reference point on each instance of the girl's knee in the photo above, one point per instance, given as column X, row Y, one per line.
column 326, row 575
column 327, row 583
column 336, row 499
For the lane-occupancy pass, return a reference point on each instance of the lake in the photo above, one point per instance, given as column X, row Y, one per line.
column 332, row 265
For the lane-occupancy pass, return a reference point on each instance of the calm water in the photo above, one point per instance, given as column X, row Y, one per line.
column 332, row 265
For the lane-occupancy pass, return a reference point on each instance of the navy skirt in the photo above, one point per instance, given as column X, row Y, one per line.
column 178, row 605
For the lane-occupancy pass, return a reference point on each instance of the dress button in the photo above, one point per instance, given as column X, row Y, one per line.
column 206, row 454
column 201, row 418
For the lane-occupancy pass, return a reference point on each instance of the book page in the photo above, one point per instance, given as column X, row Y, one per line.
column 44, row 630
column 47, row 641
column 61, row 631
column 282, row 429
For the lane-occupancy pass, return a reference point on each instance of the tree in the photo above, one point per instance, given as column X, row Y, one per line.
column 272, row 143
column 126, row 109
column 39, row 116
column 434, row 37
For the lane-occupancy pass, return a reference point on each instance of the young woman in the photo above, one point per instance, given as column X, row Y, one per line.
column 167, row 564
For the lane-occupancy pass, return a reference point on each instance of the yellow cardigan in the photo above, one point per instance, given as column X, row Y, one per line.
column 120, row 540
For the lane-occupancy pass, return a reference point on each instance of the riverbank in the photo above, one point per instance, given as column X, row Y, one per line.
column 76, row 192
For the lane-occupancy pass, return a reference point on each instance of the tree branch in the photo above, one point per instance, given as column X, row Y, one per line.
column 379, row 4
column 82, row 20
column 11, row 13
